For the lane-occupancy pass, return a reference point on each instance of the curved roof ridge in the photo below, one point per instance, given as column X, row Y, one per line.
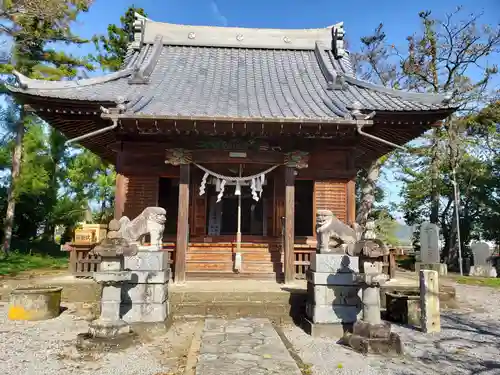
column 240, row 37
column 40, row 84
column 422, row 97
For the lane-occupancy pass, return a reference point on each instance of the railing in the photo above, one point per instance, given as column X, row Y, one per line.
column 302, row 261
column 82, row 263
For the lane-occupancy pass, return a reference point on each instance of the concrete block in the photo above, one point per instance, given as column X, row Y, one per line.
column 334, row 263
column 147, row 261
column 334, row 294
column 150, row 277
column 325, row 278
column 144, row 312
column 441, row 268
column 333, row 314
column 142, row 293
column 326, row 330
column 483, row 271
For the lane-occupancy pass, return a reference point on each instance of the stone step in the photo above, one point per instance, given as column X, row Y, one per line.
column 280, row 307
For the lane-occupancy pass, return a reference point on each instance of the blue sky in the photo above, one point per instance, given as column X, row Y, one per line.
column 360, row 17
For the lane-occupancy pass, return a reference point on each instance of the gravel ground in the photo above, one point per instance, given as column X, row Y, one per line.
column 469, row 343
column 48, row 347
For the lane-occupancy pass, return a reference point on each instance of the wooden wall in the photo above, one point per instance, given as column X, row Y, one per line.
column 331, row 172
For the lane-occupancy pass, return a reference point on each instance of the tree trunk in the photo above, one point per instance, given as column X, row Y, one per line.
column 11, row 197
column 434, row 216
column 368, row 193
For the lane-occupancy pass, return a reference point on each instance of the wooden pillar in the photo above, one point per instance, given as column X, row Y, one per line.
column 289, row 224
column 120, row 195
column 182, row 225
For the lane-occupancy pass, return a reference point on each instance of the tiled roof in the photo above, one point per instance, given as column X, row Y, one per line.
column 171, row 72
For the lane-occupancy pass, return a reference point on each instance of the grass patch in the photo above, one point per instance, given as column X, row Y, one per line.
column 481, row 281
column 17, row 262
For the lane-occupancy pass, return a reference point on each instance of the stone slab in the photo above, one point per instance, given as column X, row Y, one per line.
column 144, row 312
column 334, row 294
column 441, row 268
column 326, row 278
column 483, row 271
column 243, row 346
column 144, row 293
column 333, row 314
column 147, row 261
column 334, row 263
column 326, row 330
column 150, row 277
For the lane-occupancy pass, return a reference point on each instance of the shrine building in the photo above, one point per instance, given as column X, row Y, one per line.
column 241, row 134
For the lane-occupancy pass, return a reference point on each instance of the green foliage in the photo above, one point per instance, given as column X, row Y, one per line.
column 18, row 262
column 113, row 48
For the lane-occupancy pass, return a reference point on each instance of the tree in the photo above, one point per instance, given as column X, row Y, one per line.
column 440, row 60
column 373, row 64
column 112, row 49
column 32, row 31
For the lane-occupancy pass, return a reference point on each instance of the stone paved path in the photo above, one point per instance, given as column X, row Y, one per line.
column 243, row 347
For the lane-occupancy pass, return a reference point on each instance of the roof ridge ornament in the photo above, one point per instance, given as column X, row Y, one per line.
column 138, row 28
column 338, row 40
column 143, row 72
column 334, row 79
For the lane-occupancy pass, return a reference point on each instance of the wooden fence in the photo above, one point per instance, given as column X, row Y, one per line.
column 82, row 263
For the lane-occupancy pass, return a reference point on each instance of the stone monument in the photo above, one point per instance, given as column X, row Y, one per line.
column 334, row 299
column 112, row 276
column 145, row 294
column 483, row 266
column 429, row 250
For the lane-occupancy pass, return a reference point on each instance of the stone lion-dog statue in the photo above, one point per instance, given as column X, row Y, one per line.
column 151, row 221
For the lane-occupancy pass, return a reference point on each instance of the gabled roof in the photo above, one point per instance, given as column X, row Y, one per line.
column 201, row 72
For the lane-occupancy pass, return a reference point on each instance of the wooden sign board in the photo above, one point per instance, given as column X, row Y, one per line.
column 84, row 237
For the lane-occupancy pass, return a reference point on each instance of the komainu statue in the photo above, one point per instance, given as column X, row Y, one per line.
column 334, row 236
column 151, row 220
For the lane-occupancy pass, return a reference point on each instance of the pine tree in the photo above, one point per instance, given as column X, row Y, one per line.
column 112, row 48
column 32, row 29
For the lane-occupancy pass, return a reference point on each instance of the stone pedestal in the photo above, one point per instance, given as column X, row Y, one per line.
column 483, row 271
column 375, row 338
column 372, row 335
column 145, row 294
column 441, row 268
column 334, row 299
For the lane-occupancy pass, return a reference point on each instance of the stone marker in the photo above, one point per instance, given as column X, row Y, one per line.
column 482, row 267
column 429, row 249
column 430, row 319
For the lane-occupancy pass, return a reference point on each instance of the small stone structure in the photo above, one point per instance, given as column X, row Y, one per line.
column 112, row 250
column 483, row 265
column 429, row 250
column 430, row 318
column 34, row 303
column 403, row 308
column 372, row 335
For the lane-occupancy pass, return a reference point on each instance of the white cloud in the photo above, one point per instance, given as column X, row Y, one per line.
column 217, row 13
